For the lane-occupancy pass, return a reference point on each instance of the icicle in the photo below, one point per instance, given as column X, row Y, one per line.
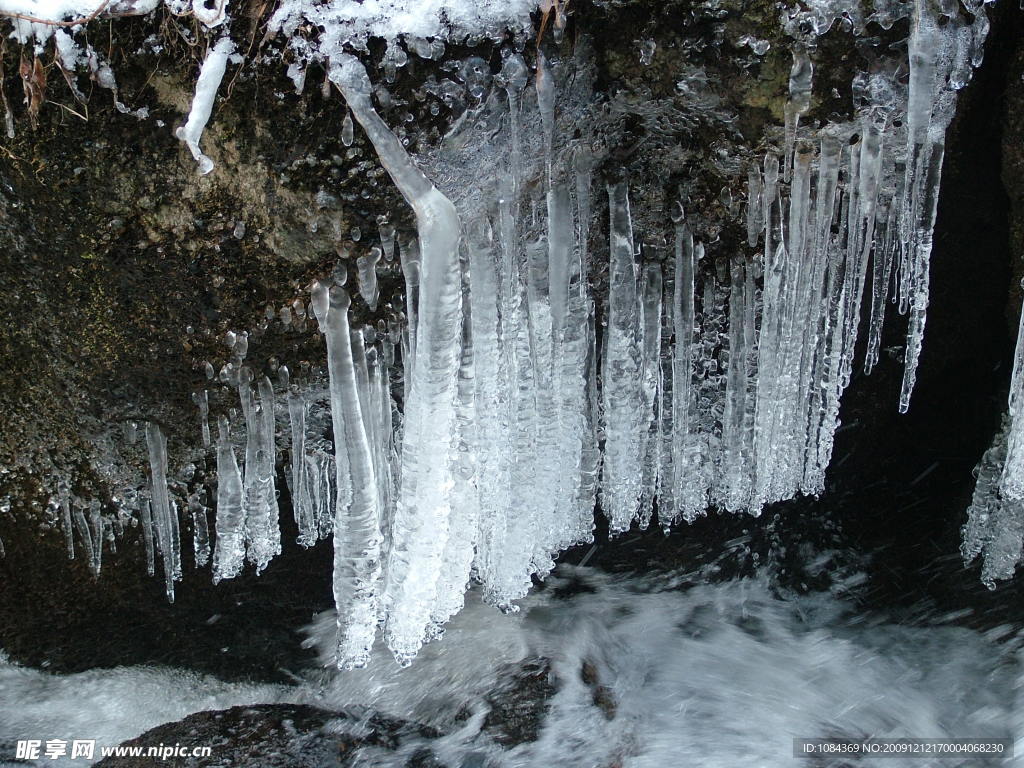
column 735, row 474
column 357, row 537
column 367, row 266
column 650, row 438
column 147, row 536
column 995, row 522
column 940, row 64
column 165, row 525
column 1011, row 482
column 229, row 553
column 688, row 497
column 259, row 497
column 755, row 217
column 200, row 530
column 96, row 523
column 623, row 368
column 302, row 502
column 514, row 75
column 825, row 385
column 492, row 396
column 267, row 470
column 202, row 402
column 422, row 516
column 64, row 496
column 457, row 559
column 572, row 320
column 347, row 130
column 320, row 301
column 801, row 77
column 210, row 75
column 881, row 262
column 546, row 104
column 87, row 544
column 387, row 240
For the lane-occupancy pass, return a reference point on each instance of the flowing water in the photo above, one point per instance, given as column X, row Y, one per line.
column 652, row 671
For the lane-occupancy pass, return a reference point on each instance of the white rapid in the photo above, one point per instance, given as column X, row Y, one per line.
column 640, row 672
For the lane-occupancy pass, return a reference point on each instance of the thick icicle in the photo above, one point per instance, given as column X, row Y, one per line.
column 623, row 401
column 650, row 437
column 259, row 499
column 688, row 494
column 229, row 553
column 357, row 536
column 424, row 506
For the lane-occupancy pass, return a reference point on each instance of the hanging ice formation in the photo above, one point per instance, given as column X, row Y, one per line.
column 715, row 381
column 995, row 519
column 210, row 76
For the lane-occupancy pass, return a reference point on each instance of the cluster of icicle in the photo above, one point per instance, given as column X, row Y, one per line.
column 995, row 520
column 715, row 384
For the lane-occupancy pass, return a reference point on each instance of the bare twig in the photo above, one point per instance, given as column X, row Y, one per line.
column 66, row 108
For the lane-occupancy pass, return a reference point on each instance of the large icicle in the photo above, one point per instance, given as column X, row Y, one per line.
column 229, row 552
column 688, row 493
column 420, row 530
column 259, row 498
column 942, row 50
column 357, row 536
column 623, row 400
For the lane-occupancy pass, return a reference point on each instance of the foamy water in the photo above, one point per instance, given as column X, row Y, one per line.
column 647, row 672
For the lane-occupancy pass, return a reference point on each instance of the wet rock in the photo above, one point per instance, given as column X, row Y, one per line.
column 519, row 702
column 281, row 736
column 601, row 695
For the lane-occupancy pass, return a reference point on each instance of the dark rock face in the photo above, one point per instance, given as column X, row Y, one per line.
column 279, row 736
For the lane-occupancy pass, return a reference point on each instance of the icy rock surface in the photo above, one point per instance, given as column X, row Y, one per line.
column 542, row 365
